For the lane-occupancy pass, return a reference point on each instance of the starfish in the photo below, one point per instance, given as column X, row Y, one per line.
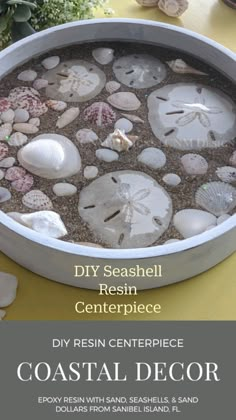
column 132, row 202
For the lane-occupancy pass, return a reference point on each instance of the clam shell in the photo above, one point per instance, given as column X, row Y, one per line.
column 5, row 195
column 226, row 174
column 7, row 162
column 90, row 172
column 3, row 150
column 40, row 84
column 8, row 116
column 173, row 8
column 194, row 164
column 124, row 125
column 133, row 118
column 103, row 55
column 126, row 101
column 21, row 115
column 25, row 128
column 106, row 155
column 152, row 157
column 27, row 76
column 118, row 141
column 63, row 189
column 147, row 3
column 47, row 223
column 23, row 184
column 216, row 197
column 15, row 173
column 5, row 131
column 86, row 135
column 112, row 86
column 56, row 105
column 8, row 288
column 51, row 62
column 191, row 222
column 179, row 66
column 17, row 139
column 100, row 113
column 50, row 156
column 37, row 200
column 67, row 117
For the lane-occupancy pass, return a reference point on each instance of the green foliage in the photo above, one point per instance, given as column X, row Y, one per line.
column 20, row 18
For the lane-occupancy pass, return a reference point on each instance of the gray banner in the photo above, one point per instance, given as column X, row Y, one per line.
column 53, row 370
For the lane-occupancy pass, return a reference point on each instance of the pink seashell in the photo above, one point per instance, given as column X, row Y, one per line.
column 56, row 105
column 5, row 104
column 29, row 99
column 23, row 184
column 14, row 173
column 3, row 150
column 37, row 200
column 100, row 113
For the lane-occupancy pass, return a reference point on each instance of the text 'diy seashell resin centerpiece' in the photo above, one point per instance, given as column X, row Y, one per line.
column 124, row 146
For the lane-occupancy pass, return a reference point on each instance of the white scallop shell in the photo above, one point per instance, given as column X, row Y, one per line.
column 118, row 141
column 124, row 125
column 17, row 139
column 106, row 155
column 27, row 76
column 67, row 117
column 56, row 105
column 86, row 135
column 7, row 162
column 194, row 164
column 152, row 157
column 90, row 172
column 47, row 223
column 5, row 131
column 126, row 101
column 147, row 3
column 133, row 118
column 179, row 66
column 226, row 174
column 103, row 55
column 63, row 189
column 51, row 62
column 21, row 115
column 40, row 84
column 37, row 200
column 112, row 86
column 8, row 116
column 5, row 195
column 8, row 287
column 25, row 128
column 191, row 222
column 216, row 197
column 50, row 156
column 173, row 8
column 172, row 179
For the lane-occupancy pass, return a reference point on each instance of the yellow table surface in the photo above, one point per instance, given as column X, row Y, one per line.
column 209, row 296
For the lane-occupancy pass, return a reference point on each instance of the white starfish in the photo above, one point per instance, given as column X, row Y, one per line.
column 132, row 202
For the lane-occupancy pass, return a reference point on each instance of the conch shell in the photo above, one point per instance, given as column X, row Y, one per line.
column 179, row 66
column 147, row 3
column 118, row 141
column 173, row 8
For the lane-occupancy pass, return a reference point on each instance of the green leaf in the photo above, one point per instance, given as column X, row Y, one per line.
column 26, row 3
column 22, row 13
column 3, row 23
column 21, row 30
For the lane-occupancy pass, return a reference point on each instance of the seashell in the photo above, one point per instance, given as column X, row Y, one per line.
column 92, row 245
column 15, row 173
column 232, row 159
column 223, row 218
column 133, row 118
column 172, row 180
column 21, row 115
column 8, row 116
column 63, row 189
column 51, row 62
column 25, row 128
column 139, row 71
column 50, row 156
column 179, row 66
column 147, row 3
column 118, row 205
column 191, row 222
column 152, row 157
column 194, row 164
column 47, row 223
column 226, row 174
column 17, row 139
column 56, row 105
column 37, row 200
column 7, row 162
column 124, row 125
column 5, row 195
column 5, row 131
column 67, row 117
column 112, row 86
column 103, row 55
column 2, row 314
column 118, row 141
column 27, row 76
column 8, row 287
column 171, row 241
column 126, row 101
column 106, row 155
column 29, row 99
column 35, row 121
column 100, row 113
column 75, row 81
column 90, row 172
column 2, row 174
column 40, row 84
column 23, row 184
column 216, row 197
column 86, row 135
column 3, row 150
column 173, row 8
column 5, row 104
